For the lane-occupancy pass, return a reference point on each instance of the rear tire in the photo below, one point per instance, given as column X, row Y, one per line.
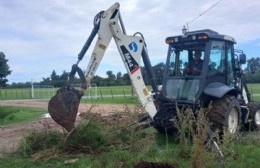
column 254, row 115
column 225, row 114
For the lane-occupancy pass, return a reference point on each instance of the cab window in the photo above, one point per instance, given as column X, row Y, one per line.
column 217, row 58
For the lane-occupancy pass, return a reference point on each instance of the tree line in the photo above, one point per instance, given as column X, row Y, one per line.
column 112, row 79
column 251, row 72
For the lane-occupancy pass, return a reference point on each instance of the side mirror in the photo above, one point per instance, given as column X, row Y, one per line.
column 242, row 58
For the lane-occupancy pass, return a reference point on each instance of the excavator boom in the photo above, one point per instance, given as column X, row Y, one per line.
column 108, row 24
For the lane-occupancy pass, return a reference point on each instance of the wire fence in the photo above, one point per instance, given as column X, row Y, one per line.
column 93, row 92
column 15, row 94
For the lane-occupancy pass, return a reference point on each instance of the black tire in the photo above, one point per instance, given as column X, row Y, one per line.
column 225, row 114
column 254, row 115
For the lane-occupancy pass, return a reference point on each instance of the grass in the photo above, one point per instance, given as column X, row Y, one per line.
column 95, row 144
column 15, row 115
column 117, row 144
column 38, row 141
column 11, row 94
column 243, row 150
column 254, row 88
column 45, row 93
column 108, row 92
column 113, row 142
column 112, row 100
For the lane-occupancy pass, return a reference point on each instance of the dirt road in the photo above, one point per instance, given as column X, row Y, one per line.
column 11, row 135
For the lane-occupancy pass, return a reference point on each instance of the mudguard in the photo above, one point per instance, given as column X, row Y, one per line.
column 218, row 90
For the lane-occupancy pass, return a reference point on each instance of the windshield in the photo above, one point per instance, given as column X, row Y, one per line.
column 184, row 70
column 182, row 89
column 185, row 61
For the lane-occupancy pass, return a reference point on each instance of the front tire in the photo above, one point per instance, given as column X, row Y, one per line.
column 225, row 114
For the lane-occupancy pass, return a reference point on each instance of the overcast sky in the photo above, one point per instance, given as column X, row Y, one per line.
column 39, row 36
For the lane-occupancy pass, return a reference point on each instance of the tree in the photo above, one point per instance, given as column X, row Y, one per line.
column 118, row 75
column 54, row 76
column 99, row 81
column 46, row 81
column 110, row 75
column 126, row 79
column 253, row 65
column 111, row 80
column 158, row 70
column 253, row 70
column 64, row 76
column 4, row 70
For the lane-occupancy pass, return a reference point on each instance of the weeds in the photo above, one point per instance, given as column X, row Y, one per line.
column 87, row 138
column 203, row 138
column 112, row 141
column 184, row 124
column 38, row 141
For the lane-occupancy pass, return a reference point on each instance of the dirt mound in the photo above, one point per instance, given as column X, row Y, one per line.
column 153, row 165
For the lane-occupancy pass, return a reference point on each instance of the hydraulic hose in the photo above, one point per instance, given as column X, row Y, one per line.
column 92, row 36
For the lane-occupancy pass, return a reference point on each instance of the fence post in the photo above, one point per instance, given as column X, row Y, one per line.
column 112, row 94
column 124, row 93
column 32, row 90
column 252, row 95
column 90, row 93
column 101, row 94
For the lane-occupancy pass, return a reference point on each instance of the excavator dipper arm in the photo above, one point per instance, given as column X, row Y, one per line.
column 108, row 24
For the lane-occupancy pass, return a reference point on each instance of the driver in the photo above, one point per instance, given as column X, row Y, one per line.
column 195, row 66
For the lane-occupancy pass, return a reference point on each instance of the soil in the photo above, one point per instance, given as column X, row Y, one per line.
column 153, row 165
column 11, row 135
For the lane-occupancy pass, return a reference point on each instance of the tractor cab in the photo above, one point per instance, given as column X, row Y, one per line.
column 197, row 64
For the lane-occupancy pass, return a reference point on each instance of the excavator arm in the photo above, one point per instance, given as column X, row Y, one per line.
column 108, row 24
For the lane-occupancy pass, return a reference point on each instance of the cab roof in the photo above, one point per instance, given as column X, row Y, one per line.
column 212, row 35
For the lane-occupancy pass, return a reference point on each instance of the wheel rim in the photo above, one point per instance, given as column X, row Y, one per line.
column 233, row 120
column 257, row 118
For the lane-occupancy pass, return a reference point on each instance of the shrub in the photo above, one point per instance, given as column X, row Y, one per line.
column 87, row 138
column 37, row 141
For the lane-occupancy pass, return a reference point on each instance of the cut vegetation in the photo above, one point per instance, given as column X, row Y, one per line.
column 113, row 141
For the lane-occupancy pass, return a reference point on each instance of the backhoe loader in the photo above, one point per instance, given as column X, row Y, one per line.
column 217, row 80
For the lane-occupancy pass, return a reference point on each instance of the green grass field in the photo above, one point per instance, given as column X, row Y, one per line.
column 254, row 89
column 17, row 115
column 91, row 94
column 45, row 93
